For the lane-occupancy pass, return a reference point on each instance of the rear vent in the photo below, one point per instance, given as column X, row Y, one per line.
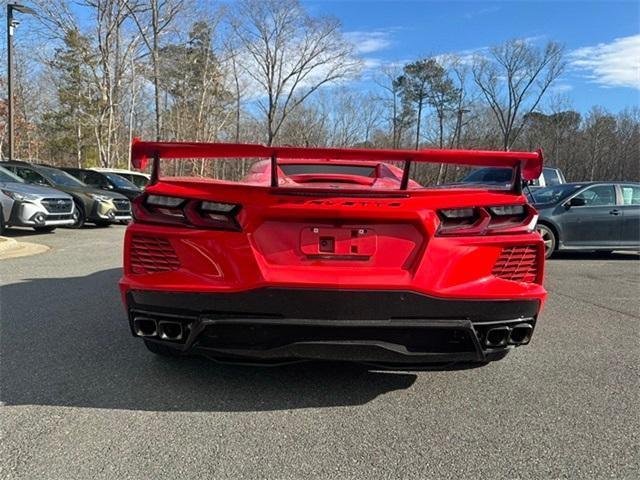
column 151, row 255
column 518, row 263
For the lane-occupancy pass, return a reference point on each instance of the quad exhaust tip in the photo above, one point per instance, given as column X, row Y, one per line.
column 170, row 330
column 145, row 327
column 519, row 334
column 166, row 330
column 497, row 337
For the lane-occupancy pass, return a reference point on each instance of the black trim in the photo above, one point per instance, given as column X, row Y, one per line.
column 331, row 304
column 276, row 325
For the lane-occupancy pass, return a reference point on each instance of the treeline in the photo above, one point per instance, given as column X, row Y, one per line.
column 267, row 71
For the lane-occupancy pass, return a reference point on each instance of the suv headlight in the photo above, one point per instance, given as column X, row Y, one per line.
column 99, row 198
column 21, row 197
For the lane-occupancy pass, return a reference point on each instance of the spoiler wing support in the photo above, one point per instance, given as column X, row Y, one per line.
column 517, row 179
column 274, row 170
column 155, row 169
column 404, row 184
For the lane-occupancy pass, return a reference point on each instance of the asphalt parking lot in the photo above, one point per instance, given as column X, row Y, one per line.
column 81, row 398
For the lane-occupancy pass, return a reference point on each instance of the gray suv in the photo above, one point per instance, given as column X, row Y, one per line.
column 23, row 205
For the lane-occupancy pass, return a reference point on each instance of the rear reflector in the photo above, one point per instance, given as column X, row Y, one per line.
column 151, row 255
column 517, row 263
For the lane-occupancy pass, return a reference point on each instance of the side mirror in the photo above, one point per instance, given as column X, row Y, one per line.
column 575, row 202
column 108, row 186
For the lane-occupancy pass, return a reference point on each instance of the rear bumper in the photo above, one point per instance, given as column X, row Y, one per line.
column 280, row 325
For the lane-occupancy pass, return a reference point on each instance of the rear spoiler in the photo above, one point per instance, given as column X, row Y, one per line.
column 527, row 165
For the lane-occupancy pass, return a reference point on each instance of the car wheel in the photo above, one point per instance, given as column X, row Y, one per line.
column 79, row 217
column 102, row 224
column 549, row 239
column 1, row 221
column 161, row 350
column 44, row 229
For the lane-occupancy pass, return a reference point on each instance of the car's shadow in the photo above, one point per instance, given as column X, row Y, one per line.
column 18, row 232
column 65, row 342
column 567, row 255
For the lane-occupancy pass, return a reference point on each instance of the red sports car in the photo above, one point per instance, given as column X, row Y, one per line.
column 332, row 254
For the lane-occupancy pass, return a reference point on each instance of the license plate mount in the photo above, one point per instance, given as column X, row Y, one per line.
column 352, row 241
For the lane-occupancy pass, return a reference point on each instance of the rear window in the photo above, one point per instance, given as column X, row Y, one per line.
column 490, row 176
column 551, row 177
column 630, row 195
column 301, row 169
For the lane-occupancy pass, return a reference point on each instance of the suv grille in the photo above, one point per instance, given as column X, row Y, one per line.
column 517, row 263
column 58, row 205
column 151, row 255
column 121, row 204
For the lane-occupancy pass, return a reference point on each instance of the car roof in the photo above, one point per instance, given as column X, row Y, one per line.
column 20, row 163
column 117, row 170
column 603, row 182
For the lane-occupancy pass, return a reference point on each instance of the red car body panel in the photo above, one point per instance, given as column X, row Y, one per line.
column 332, row 232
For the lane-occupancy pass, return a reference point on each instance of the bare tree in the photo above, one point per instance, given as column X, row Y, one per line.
column 153, row 18
column 400, row 115
column 513, row 78
column 289, row 55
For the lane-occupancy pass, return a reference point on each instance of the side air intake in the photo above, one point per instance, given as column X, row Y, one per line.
column 151, row 255
column 517, row 263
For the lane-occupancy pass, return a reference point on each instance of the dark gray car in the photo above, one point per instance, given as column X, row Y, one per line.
column 603, row 216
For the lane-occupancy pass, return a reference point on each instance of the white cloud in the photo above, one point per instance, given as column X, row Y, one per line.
column 561, row 88
column 615, row 64
column 369, row 42
column 481, row 12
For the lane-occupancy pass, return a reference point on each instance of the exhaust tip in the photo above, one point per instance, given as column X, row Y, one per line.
column 520, row 334
column 145, row 327
column 170, row 330
column 496, row 337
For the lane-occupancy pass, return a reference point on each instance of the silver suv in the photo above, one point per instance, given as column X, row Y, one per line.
column 23, row 205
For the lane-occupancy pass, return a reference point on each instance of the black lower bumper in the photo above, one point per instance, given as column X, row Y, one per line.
column 274, row 325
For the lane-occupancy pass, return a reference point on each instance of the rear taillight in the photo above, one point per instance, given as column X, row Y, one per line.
column 187, row 212
column 487, row 220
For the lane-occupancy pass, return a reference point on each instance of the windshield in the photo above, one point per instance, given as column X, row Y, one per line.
column 61, row 178
column 7, row 177
column 553, row 194
column 119, row 181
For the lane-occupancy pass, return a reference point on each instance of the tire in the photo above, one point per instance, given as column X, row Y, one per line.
column 79, row 216
column 44, row 229
column 549, row 238
column 161, row 350
column 100, row 224
column 1, row 221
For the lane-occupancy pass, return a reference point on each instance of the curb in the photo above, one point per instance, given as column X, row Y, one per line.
column 10, row 248
column 7, row 243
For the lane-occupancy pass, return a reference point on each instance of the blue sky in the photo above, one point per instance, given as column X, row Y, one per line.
column 602, row 38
